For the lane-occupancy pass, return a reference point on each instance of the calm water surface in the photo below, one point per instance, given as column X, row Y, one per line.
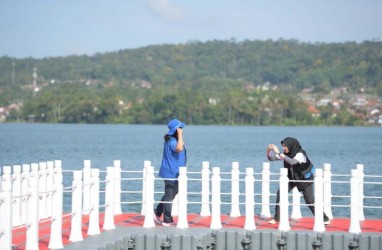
column 343, row 147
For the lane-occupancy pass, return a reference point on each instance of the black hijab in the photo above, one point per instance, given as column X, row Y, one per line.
column 293, row 146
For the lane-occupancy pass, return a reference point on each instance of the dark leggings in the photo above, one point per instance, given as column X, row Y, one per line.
column 170, row 191
column 308, row 194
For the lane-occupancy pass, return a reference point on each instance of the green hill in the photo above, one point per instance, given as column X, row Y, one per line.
column 215, row 82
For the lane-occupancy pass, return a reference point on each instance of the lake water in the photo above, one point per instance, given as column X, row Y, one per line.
column 343, row 147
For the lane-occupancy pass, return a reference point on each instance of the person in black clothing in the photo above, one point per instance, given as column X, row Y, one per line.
column 299, row 168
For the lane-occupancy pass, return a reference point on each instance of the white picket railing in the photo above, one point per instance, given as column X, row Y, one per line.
column 33, row 193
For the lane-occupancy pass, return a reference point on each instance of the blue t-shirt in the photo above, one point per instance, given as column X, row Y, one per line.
column 172, row 160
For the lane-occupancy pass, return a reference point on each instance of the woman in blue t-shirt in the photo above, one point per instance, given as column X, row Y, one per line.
column 174, row 156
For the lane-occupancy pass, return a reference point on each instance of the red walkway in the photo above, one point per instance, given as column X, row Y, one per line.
column 194, row 220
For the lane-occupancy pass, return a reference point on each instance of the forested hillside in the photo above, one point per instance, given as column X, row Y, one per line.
column 215, row 82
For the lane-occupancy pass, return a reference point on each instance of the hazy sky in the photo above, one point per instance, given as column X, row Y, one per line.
column 48, row 28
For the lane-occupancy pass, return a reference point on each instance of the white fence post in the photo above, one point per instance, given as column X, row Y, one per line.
column 55, row 241
column 235, row 190
column 49, row 186
column 117, row 187
column 354, row 203
column 318, row 202
column 205, row 209
column 32, row 211
column 149, row 197
column 76, row 222
column 42, row 190
column 87, row 176
column 265, row 193
column 24, row 192
column 361, row 177
column 296, row 204
column 146, row 164
column 216, row 202
column 16, row 195
column 94, row 203
column 249, row 200
column 284, row 201
column 175, row 206
column 108, row 222
column 328, row 191
column 34, row 172
column 182, row 198
column 6, row 209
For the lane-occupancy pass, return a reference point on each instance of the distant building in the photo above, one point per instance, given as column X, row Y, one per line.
column 314, row 111
column 213, row 101
column 146, row 84
column 324, row 102
column 375, row 117
column 360, row 102
column 337, row 104
column 5, row 111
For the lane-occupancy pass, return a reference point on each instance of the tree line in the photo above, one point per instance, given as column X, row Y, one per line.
column 214, row 82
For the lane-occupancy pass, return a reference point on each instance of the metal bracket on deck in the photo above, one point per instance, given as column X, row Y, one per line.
column 354, row 244
column 317, row 243
column 246, row 241
column 166, row 244
column 130, row 243
column 282, row 242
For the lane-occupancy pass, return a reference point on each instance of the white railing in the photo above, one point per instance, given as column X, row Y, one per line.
column 34, row 193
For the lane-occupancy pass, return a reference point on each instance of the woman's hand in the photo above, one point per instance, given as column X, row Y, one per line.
column 274, row 148
column 180, row 131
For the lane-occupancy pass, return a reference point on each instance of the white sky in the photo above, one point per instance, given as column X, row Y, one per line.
column 49, row 28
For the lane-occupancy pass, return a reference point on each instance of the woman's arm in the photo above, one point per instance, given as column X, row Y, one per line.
column 288, row 160
column 299, row 158
column 180, row 144
column 279, row 155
